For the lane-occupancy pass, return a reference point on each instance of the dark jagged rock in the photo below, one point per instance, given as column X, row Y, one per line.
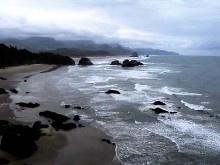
column 18, row 145
column 2, row 91
column 134, row 54
column 132, row 63
column 13, row 91
column 159, row 103
column 67, row 106
column 85, row 61
column 64, row 126
column 159, row 110
column 78, row 107
column 112, row 92
column 116, row 62
column 4, row 161
column 173, row 112
column 76, row 118
column 54, row 116
column 28, row 105
column 2, row 78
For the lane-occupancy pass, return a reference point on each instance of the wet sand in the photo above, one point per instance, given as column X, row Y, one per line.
column 79, row 146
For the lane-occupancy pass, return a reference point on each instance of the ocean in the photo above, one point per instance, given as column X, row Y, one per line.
column 188, row 85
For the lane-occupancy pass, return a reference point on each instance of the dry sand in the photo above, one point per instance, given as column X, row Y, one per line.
column 80, row 146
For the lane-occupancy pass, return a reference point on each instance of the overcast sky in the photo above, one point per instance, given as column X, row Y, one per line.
column 184, row 26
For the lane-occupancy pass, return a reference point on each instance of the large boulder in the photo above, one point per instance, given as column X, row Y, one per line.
column 116, row 62
column 18, row 145
column 85, row 61
column 111, row 91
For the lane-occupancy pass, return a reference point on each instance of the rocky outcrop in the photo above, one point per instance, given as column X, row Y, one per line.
column 132, row 63
column 28, row 105
column 13, row 91
column 2, row 78
column 76, row 118
column 2, row 91
column 159, row 110
column 85, row 61
column 159, row 103
column 111, row 91
column 116, row 62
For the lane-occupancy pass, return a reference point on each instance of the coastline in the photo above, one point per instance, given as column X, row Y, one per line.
column 80, row 145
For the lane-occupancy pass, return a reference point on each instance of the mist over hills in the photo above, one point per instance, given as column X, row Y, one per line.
column 78, row 47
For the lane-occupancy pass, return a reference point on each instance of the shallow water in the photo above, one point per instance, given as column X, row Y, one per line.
column 188, row 86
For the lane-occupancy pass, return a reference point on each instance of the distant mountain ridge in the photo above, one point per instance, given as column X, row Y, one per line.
column 78, row 47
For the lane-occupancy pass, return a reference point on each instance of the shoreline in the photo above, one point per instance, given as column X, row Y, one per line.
column 53, row 149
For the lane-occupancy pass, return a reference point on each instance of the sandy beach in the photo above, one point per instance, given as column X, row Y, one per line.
column 79, row 146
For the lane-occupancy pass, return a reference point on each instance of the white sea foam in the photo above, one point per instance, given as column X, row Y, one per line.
column 197, row 138
column 140, row 87
column 177, row 91
column 194, row 107
column 136, row 74
column 169, row 71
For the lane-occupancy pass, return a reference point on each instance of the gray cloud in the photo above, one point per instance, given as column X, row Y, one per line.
column 184, row 26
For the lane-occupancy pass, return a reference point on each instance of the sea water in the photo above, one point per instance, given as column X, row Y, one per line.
column 189, row 85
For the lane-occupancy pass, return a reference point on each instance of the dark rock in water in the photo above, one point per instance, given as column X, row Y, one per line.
column 136, row 63
column 2, row 91
column 54, row 116
column 173, row 112
column 64, row 126
column 25, row 80
column 4, row 161
column 132, row 63
column 112, row 92
column 179, row 107
column 159, row 103
column 125, row 63
column 85, row 61
column 134, row 54
column 108, row 141
column 2, row 78
column 116, row 62
column 76, row 118
column 13, row 91
column 18, row 145
column 67, row 106
column 159, row 110
column 28, row 105
column 78, row 107
column 27, row 92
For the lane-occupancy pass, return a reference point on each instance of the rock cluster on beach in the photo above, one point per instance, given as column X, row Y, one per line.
column 127, row 63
